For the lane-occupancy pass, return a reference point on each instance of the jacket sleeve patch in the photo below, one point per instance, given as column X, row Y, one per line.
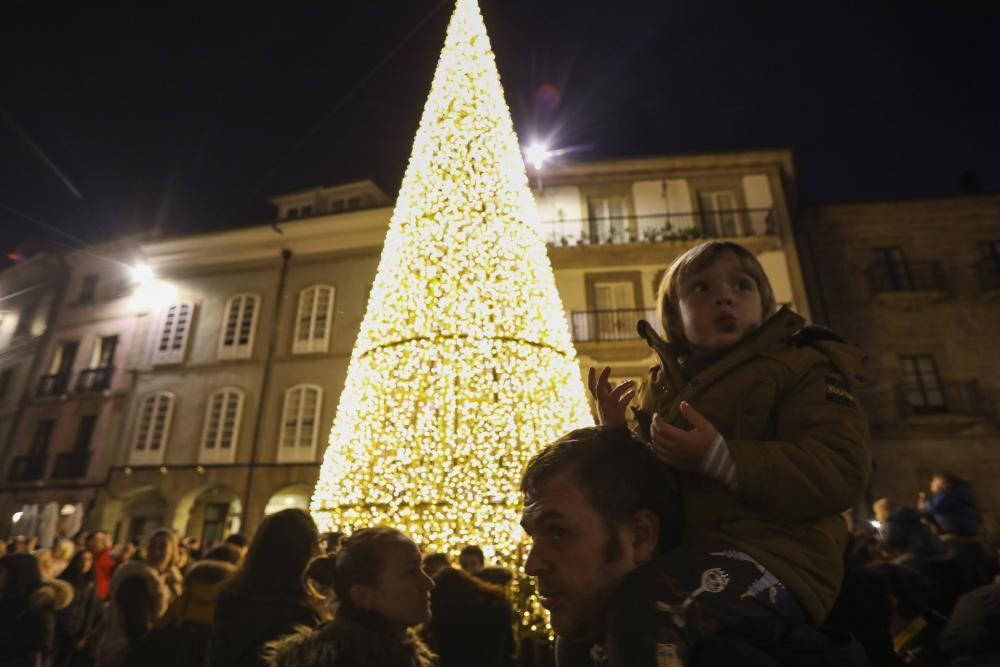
column 837, row 391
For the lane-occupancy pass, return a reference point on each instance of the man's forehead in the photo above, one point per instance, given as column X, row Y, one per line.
column 559, row 494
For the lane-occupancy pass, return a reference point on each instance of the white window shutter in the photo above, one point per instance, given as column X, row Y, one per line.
column 314, row 320
column 172, row 342
column 152, row 432
column 300, row 424
column 239, row 327
column 222, row 426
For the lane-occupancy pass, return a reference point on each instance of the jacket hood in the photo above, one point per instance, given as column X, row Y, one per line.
column 355, row 638
column 52, row 594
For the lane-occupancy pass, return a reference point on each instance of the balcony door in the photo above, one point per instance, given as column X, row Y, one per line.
column 720, row 214
column 615, row 317
column 608, row 220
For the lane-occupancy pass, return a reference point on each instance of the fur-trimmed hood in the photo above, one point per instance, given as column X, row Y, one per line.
column 52, row 595
column 352, row 639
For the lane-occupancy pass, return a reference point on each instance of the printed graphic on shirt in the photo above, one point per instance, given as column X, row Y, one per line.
column 713, row 580
column 766, row 582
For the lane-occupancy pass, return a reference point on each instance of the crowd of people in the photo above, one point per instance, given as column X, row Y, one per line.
column 704, row 522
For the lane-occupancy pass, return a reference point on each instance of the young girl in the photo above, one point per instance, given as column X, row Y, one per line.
column 382, row 593
column 753, row 410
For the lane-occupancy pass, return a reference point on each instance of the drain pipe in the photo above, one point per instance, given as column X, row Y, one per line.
column 286, row 256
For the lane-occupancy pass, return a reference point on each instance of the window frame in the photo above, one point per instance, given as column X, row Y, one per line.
column 215, row 452
column 297, row 452
column 236, row 350
column 147, row 455
column 910, row 365
column 170, row 329
column 314, row 344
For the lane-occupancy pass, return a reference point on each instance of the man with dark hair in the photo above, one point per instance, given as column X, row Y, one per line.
column 597, row 504
column 604, row 516
column 471, row 559
column 240, row 541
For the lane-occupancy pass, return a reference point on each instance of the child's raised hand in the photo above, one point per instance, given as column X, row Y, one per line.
column 683, row 449
column 611, row 403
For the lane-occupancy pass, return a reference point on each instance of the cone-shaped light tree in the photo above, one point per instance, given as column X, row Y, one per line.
column 463, row 367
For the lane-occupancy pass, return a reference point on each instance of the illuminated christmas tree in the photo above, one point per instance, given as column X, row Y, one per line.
column 463, row 367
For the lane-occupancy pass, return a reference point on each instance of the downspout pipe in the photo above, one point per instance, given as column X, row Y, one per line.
column 265, row 381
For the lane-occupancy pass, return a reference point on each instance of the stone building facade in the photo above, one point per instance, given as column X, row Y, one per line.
column 917, row 283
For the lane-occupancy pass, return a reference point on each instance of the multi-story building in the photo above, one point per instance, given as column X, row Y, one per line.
column 237, row 384
column 213, row 405
column 917, row 284
column 71, row 395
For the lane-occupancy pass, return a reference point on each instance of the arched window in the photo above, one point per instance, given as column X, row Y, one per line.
column 300, row 423
column 176, row 326
column 238, row 326
column 222, row 426
column 152, row 430
column 314, row 319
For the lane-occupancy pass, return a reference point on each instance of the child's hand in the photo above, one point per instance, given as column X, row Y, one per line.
column 683, row 449
column 611, row 403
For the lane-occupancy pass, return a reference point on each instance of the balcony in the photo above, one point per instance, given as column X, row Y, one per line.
column 27, row 468
column 988, row 278
column 729, row 223
column 599, row 326
column 963, row 399
column 55, row 384
column 908, row 277
column 71, row 465
column 94, row 379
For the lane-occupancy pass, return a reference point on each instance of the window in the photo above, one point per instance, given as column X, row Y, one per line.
column 172, row 342
column 989, row 263
column 238, row 327
column 307, row 210
column 608, row 221
column 6, row 376
column 615, row 310
column 890, row 270
column 293, row 212
column 300, row 424
column 313, row 322
column 84, row 433
column 222, row 426
column 153, row 428
column 720, row 213
column 354, row 202
column 43, row 435
column 65, row 357
column 338, row 205
column 88, row 289
column 103, row 355
column 25, row 318
column 922, row 384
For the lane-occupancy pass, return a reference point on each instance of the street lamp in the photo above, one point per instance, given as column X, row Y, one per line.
column 142, row 273
column 537, row 153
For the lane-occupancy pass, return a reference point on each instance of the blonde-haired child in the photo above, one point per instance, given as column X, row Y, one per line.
column 753, row 410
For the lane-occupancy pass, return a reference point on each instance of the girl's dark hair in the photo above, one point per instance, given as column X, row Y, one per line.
column 281, row 549
column 359, row 561
column 950, row 478
column 74, row 574
column 23, row 574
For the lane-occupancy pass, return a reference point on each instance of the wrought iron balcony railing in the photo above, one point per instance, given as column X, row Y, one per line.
column 729, row 223
column 907, row 277
column 27, row 468
column 54, row 384
column 609, row 325
column 988, row 274
column 957, row 398
column 94, row 379
column 71, row 465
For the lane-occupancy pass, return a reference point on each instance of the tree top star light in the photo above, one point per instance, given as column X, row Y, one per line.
column 463, row 367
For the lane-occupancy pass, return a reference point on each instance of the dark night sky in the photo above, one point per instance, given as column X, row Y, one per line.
column 118, row 121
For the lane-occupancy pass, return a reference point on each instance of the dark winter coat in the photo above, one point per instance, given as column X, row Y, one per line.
column 782, row 400
column 353, row 639
column 77, row 621
column 28, row 614
column 243, row 623
column 471, row 622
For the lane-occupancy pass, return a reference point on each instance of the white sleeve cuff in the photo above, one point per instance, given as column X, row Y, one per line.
column 718, row 463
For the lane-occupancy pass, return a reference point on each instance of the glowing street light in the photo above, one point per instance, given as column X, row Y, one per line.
column 142, row 273
column 537, row 154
